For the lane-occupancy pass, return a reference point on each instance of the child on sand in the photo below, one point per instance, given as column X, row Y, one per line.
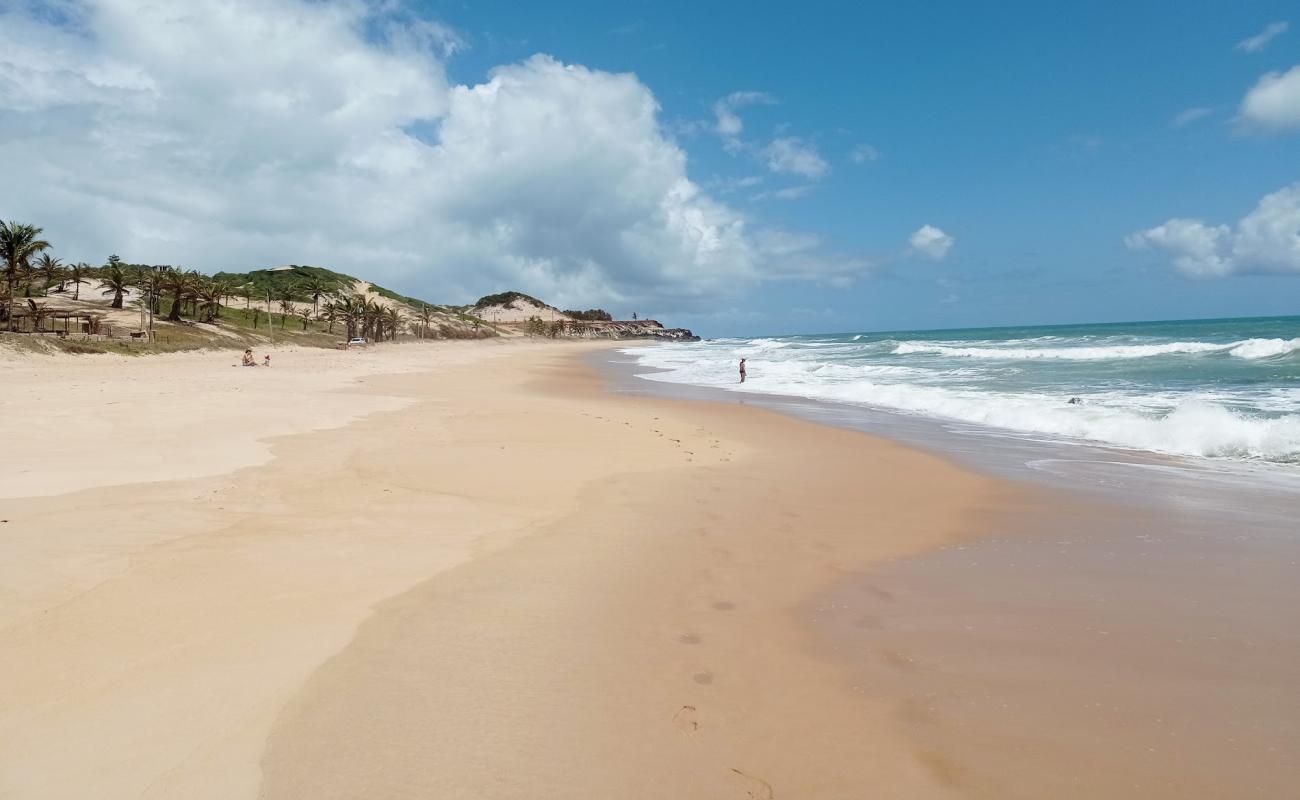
column 248, row 358
column 266, row 361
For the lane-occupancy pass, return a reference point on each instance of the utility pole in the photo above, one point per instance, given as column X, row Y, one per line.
column 153, row 292
column 270, row 321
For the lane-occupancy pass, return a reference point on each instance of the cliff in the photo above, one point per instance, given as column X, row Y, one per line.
column 631, row 329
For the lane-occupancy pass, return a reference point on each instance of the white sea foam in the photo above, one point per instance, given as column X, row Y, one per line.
column 1246, row 348
column 1103, row 353
column 1264, row 348
column 1207, row 422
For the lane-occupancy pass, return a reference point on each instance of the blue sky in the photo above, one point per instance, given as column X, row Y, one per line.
column 1080, row 162
column 1038, row 135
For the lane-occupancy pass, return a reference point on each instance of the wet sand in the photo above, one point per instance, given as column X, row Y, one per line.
column 1124, row 628
column 1099, row 651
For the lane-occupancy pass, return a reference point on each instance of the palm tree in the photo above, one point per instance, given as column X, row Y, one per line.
column 286, row 308
column 38, row 314
column 116, row 278
column 286, row 293
column 181, row 285
column 228, row 290
column 372, row 324
column 392, row 319
column 331, row 310
column 425, row 317
column 51, row 271
column 18, row 243
column 77, row 273
column 26, row 277
column 209, row 294
column 149, row 280
column 352, row 309
column 306, row 314
column 316, row 287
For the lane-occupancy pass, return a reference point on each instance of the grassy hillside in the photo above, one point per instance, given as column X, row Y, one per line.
column 277, row 281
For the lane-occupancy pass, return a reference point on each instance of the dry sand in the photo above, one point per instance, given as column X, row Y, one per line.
column 458, row 571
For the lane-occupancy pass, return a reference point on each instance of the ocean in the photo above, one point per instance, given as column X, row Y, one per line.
column 1208, row 389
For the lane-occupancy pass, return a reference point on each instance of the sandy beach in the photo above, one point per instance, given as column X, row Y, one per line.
column 453, row 570
column 473, row 570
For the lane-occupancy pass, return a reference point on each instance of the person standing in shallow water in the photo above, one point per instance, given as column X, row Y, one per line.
column 742, row 370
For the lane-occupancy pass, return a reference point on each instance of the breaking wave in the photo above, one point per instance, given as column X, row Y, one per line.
column 1248, row 348
column 1200, row 413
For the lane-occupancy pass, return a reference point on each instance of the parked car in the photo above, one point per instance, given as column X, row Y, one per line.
column 356, row 341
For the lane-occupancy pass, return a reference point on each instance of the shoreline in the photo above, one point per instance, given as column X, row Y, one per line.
column 514, row 580
column 1141, row 599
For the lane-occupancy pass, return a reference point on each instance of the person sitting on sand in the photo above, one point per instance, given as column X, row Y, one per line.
column 266, row 360
column 248, row 358
column 742, row 370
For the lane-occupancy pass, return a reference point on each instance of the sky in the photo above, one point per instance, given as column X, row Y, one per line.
column 739, row 168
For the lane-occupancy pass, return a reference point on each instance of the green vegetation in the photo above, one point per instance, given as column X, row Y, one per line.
column 506, row 299
column 19, row 243
column 534, row 326
column 591, row 315
column 320, row 301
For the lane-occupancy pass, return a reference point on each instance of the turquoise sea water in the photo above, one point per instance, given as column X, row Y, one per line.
column 1227, row 388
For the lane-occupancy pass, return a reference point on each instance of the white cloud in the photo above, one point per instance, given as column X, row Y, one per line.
column 1274, row 101
column 931, row 242
column 729, row 124
column 793, row 156
column 787, row 155
column 1190, row 115
column 787, row 193
column 864, row 153
column 1197, row 248
column 731, row 185
column 1259, row 41
column 1265, row 240
column 334, row 138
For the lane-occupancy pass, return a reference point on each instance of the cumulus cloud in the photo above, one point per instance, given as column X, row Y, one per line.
column 1265, row 240
column 793, row 156
column 335, row 138
column 931, row 242
column 1259, row 41
column 1273, row 103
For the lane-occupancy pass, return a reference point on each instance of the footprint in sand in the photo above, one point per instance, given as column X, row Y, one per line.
column 703, row 678
column 688, row 638
column 754, row 787
column 684, row 720
column 724, row 605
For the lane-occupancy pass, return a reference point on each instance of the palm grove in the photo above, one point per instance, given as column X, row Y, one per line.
column 31, row 272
